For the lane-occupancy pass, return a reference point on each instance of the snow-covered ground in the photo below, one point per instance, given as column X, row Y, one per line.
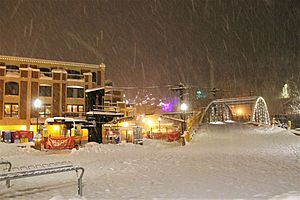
column 223, row 161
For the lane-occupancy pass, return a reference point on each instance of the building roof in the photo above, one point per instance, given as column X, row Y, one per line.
column 49, row 62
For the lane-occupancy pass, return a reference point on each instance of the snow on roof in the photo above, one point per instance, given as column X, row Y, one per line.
column 104, row 113
column 49, row 62
column 94, row 89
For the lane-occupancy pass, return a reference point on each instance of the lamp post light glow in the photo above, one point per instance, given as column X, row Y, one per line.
column 125, row 124
column 37, row 104
column 183, row 107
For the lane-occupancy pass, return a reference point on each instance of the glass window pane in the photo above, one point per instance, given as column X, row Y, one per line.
column 80, row 108
column 75, row 108
column 7, row 109
column 69, row 108
column 11, row 110
column 75, row 92
column 45, row 91
column 80, row 93
column 70, row 92
column 11, row 88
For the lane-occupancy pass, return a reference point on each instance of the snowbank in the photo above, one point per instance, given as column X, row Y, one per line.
column 223, row 161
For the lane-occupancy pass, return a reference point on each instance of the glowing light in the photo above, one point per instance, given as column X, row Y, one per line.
column 285, row 93
column 239, row 111
column 150, row 123
column 37, row 103
column 168, row 106
column 125, row 124
column 183, row 107
column 56, row 127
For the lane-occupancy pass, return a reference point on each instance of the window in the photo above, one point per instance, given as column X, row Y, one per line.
column 12, row 68
column 117, row 93
column 11, row 88
column 75, row 108
column 46, row 72
column 75, row 92
column 45, row 110
column 73, row 74
column 11, row 110
column 94, row 77
column 45, row 91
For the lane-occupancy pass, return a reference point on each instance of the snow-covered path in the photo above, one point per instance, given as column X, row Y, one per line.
column 222, row 162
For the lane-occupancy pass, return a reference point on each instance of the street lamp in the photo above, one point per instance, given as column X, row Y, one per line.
column 37, row 104
column 183, row 108
column 159, row 119
column 150, row 124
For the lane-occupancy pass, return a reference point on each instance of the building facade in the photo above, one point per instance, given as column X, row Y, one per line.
column 59, row 85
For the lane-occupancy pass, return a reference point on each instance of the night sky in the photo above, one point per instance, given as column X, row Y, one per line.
column 251, row 46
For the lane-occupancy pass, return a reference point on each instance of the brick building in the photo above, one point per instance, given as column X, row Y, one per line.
column 59, row 85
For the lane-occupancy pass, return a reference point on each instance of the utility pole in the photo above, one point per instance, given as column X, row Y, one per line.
column 181, row 88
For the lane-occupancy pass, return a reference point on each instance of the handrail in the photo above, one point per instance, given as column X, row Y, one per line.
column 42, row 171
column 9, row 169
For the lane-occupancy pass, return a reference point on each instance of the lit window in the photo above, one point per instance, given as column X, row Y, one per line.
column 69, row 108
column 45, row 91
column 11, row 110
column 75, row 108
column 11, row 88
column 45, row 111
column 80, row 108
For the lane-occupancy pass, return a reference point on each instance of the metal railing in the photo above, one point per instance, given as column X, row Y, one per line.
column 41, row 169
column 2, row 162
column 114, row 109
column 12, row 71
column 46, row 74
column 75, row 76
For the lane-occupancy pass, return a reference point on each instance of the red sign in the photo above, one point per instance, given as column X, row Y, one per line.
column 59, row 143
column 173, row 136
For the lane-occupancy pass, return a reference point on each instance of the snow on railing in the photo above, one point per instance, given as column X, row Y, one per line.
column 41, row 169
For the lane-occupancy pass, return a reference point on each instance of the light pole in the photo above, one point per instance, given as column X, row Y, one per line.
column 183, row 108
column 159, row 119
column 150, row 124
column 37, row 104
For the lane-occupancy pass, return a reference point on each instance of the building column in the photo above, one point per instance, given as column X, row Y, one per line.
column 2, row 74
column 87, row 80
column 59, row 92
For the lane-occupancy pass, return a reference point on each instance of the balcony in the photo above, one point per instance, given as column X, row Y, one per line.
column 13, row 72
column 75, row 76
column 74, row 114
column 46, row 74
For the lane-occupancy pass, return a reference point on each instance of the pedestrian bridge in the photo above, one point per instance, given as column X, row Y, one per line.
column 252, row 109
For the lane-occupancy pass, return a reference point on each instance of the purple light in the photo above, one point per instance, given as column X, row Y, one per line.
column 168, row 106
